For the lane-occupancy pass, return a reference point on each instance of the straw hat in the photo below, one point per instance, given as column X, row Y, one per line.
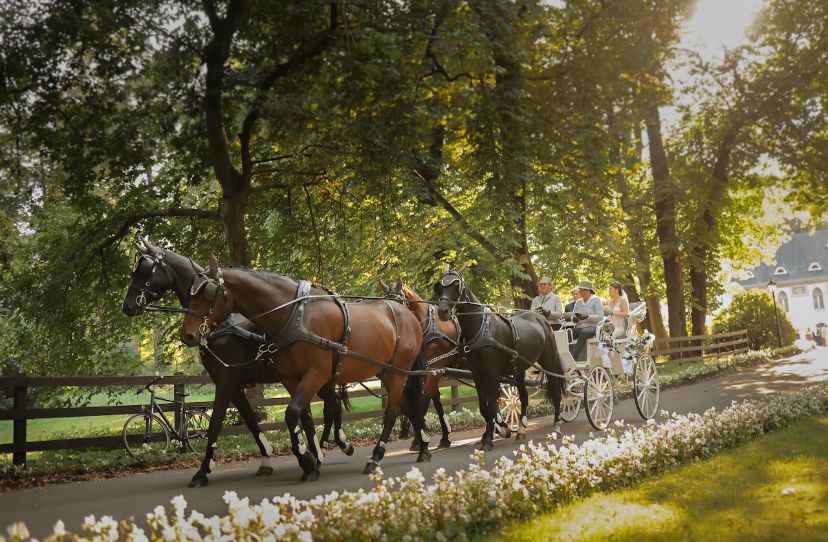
column 546, row 280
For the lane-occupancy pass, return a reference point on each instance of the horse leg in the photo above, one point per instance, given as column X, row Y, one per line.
column 523, row 393
column 557, row 391
column 501, row 427
column 224, row 390
column 405, row 426
column 300, row 400
column 444, row 424
column 333, row 405
column 394, row 386
column 265, row 448
column 332, row 413
column 489, row 397
column 310, row 434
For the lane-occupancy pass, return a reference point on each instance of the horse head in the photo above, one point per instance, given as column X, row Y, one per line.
column 450, row 289
column 150, row 277
column 394, row 291
column 209, row 304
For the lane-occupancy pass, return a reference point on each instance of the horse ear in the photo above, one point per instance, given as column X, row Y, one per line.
column 385, row 287
column 400, row 283
column 213, row 265
column 462, row 270
column 196, row 270
column 150, row 247
column 446, row 268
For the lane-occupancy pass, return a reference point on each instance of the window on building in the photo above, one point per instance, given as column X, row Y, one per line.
column 819, row 303
column 814, row 267
column 783, row 300
column 780, row 271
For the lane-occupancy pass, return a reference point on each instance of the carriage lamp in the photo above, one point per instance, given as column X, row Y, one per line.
column 772, row 288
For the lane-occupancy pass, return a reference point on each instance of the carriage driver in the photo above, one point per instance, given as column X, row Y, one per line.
column 589, row 310
column 548, row 303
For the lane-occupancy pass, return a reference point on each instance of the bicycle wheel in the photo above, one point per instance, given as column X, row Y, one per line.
column 195, row 431
column 145, row 435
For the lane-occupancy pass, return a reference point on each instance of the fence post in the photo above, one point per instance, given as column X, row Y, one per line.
column 455, row 394
column 178, row 393
column 19, row 436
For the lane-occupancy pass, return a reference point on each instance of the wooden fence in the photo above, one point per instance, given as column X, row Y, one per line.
column 679, row 349
column 697, row 347
column 20, row 413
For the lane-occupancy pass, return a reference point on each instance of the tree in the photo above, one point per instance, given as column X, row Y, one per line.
column 753, row 310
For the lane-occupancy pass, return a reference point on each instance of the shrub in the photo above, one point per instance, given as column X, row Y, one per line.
column 753, row 310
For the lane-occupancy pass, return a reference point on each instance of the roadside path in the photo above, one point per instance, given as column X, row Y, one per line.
column 138, row 494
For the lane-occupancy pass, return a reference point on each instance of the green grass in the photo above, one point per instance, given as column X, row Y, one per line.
column 774, row 488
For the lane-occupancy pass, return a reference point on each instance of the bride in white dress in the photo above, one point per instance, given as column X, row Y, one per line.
column 618, row 308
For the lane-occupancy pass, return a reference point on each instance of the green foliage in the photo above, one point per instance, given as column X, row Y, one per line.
column 753, row 310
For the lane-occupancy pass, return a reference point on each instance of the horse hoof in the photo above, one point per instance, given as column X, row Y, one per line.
column 348, row 450
column 198, row 481
column 486, row 446
column 370, row 468
column 311, row 476
column 444, row 444
column 520, row 436
column 424, row 457
column 264, row 471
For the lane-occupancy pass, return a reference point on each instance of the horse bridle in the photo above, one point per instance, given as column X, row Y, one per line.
column 204, row 327
column 157, row 259
column 448, row 279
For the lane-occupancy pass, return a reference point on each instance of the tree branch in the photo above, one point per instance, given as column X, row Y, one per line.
column 128, row 220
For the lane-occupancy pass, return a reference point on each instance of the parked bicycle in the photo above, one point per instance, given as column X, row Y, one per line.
column 149, row 432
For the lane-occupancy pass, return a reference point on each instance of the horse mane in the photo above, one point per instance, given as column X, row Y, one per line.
column 273, row 278
column 410, row 294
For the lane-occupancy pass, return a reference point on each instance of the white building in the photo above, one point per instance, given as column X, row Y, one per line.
column 801, row 276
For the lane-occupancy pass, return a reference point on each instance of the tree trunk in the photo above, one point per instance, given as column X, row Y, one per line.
column 706, row 234
column 665, row 210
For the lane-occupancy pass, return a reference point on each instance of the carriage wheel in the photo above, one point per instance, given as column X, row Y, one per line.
column 510, row 410
column 598, row 398
column 646, row 386
column 570, row 406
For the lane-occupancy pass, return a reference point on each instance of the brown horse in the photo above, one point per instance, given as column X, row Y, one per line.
column 313, row 338
column 225, row 356
column 440, row 341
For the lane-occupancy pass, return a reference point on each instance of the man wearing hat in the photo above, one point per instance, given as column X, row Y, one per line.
column 589, row 310
column 548, row 303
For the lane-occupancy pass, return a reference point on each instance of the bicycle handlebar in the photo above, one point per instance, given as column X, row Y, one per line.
column 150, row 383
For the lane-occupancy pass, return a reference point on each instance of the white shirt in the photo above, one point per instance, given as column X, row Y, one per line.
column 550, row 302
column 593, row 309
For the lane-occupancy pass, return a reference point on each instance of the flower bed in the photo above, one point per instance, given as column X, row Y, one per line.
column 540, row 477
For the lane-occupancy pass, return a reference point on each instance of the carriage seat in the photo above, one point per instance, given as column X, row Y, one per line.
column 638, row 311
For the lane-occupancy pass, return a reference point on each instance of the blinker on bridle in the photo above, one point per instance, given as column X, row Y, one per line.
column 449, row 279
column 204, row 328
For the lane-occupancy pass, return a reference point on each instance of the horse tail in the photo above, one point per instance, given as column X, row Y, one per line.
column 552, row 362
column 344, row 400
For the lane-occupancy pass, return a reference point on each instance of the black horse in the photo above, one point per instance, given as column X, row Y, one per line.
column 226, row 357
column 499, row 347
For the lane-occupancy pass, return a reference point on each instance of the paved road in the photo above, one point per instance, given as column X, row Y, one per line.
column 138, row 494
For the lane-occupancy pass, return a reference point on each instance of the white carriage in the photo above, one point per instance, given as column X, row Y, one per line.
column 609, row 359
column 592, row 382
